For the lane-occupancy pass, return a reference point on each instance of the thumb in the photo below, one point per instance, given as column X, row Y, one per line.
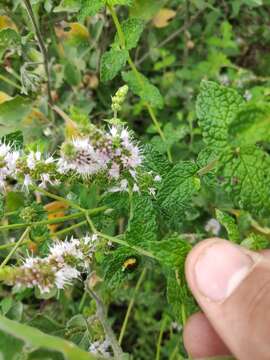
column 232, row 286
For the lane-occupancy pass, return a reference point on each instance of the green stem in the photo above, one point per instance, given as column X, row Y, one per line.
column 18, row 243
column 137, row 74
column 130, row 306
column 68, row 229
column 10, row 245
column 117, row 240
column 41, row 46
column 162, row 328
column 81, row 305
column 101, row 313
column 183, row 314
column 174, row 353
column 93, row 212
column 59, row 198
column 10, row 82
column 124, row 243
column 87, row 213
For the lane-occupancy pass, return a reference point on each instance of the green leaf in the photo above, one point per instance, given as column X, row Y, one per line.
column 172, row 136
column 155, row 161
column 38, row 339
column 230, row 225
column 146, row 9
column 132, row 29
column 8, row 38
column 216, row 109
column 119, row 2
column 117, row 201
column 72, row 74
column 14, row 200
column 68, row 6
column 10, row 347
column 179, row 296
column 90, row 8
column 15, row 138
column 12, row 112
column 177, row 190
column 141, row 228
column 171, row 253
column 251, row 124
column 244, row 174
column 142, row 87
column 255, row 242
column 112, row 62
column 114, row 272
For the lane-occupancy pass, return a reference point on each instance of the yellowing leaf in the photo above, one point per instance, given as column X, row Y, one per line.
column 56, row 209
column 163, row 17
column 7, row 23
column 72, row 31
column 72, row 129
column 35, row 117
column 4, row 97
column 78, row 30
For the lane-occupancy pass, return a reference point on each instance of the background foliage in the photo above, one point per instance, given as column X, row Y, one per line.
column 199, row 80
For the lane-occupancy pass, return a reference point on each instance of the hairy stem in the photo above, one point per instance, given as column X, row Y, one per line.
column 93, row 212
column 87, row 214
column 59, row 198
column 101, row 313
column 41, row 46
column 68, row 229
column 137, row 74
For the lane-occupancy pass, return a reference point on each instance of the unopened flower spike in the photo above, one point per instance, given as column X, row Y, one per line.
column 118, row 99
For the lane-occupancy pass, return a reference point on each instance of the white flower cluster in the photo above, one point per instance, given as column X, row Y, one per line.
column 113, row 154
column 100, row 348
column 8, row 159
column 60, row 268
column 28, row 168
column 109, row 153
column 35, row 167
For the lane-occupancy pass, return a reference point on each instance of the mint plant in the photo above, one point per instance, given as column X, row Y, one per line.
column 112, row 168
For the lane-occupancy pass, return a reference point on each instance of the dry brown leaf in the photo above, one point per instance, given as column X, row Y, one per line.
column 56, row 209
column 163, row 17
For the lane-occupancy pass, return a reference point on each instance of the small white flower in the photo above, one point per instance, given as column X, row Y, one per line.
column 135, row 188
column 213, row 226
column 32, row 159
column 247, row 95
column 122, row 187
column 60, row 249
column 100, row 348
column 152, row 191
column 65, row 276
column 113, row 131
column 124, row 135
column 114, row 171
column 157, row 178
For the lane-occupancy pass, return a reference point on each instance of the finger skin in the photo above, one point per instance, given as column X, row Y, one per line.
column 243, row 319
column 200, row 338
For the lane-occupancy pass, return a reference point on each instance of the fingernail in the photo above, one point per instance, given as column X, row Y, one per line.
column 220, row 269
